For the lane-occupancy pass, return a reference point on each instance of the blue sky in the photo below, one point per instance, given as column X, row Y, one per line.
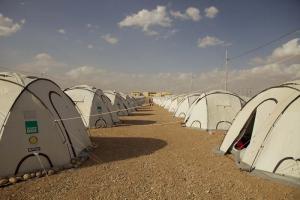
column 240, row 23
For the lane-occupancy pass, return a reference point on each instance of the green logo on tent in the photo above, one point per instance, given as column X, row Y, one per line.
column 31, row 127
column 99, row 109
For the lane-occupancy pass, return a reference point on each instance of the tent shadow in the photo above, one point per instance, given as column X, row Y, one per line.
column 144, row 109
column 140, row 114
column 111, row 149
column 130, row 122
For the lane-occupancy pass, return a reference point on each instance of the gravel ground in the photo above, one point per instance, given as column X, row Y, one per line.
column 143, row 160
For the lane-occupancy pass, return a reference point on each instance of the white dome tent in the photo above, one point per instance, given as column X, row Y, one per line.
column 111, row 108
column 93, row 106
column 214, row 110
column 185, row 104
column 32, row 127
column 265, row 134
column 140, row 100
column 192, row 106
column 158, row 100
column 118, row 102
column 161, row 101
column 134, row 102
column 168, row 102
column 174, row 104
column 128, row 102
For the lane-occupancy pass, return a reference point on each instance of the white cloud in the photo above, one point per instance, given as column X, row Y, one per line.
column 42, row 63
column 43, row 57
column 282, row 65
column 209, row 41
column 164, row 75
column 243, row 81
column 146, row 19
column 91, row 27
column 90, row 46
column 211, row 12
column 257, row 60
column 291, row 48
column 84, row 71
column 185, row 76
column 110, row 39
column 61, row 31
column 263, row 76
column 170, row 33
column 272, row 70
column 8, row 27
column 191, row 13
column 179, row 15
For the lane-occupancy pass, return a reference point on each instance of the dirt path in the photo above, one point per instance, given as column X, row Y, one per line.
column 142, row 160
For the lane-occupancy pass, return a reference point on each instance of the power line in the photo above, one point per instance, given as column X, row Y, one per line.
column 264, row 45
column 216, row 85
column 281, row 60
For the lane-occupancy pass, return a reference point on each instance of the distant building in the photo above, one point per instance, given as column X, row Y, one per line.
column 152, row 94
column 161, row 94
column 136, row 94
column 149, row 94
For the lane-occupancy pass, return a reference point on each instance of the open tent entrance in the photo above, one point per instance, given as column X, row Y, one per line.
column 255, row 121
column 246, row 133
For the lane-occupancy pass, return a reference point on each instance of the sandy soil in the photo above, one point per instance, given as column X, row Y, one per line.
column 143, row 160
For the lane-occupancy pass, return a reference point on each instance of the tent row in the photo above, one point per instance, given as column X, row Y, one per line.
column 262, row 133
column 100, row 109
column 43, row 126
column 214, row 110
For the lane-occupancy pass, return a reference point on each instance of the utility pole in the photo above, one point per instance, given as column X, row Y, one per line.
column 226, row 69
